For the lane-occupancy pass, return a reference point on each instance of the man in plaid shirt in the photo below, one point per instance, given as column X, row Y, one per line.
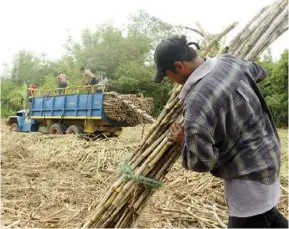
column 228, row 129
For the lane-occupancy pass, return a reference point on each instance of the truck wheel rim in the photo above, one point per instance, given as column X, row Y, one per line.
column 54, row 131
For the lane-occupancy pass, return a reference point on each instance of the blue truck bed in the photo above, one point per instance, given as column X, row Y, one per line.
column 71, row 106
column 77, row 106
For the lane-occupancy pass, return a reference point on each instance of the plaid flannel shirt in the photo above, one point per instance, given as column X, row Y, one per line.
column 229, row 130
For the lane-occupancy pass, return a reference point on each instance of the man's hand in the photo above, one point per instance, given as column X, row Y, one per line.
column 177, row 134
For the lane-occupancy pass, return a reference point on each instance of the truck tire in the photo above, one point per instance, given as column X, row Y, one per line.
column 14, row 127
column 74, row 129
column 57, row 128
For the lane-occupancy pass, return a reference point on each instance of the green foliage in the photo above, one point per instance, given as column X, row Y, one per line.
column 154, row 28
column 13, row 97
column 133, row 77
column 275, row 88
column 126, row 55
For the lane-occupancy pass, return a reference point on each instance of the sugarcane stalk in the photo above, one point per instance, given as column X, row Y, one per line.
column 158, row 156
column 130, row 109
column 166, row 121
column 111, row 217
column 274, row 37
column 126, row 220
column 106, row 201
column 217, row 38
column 159, row 149
column 164, row 166
column 174, row 93
column 240, row 35
column 158, row 128
column 204, row 32
column 138, row 110
column 206, row 35
column 115, row 208
column 251, row 30
column 160, row 174
column 140, row 157
column 117, row 225
column 140, row 200
column 163, row 114
column 195, row 30
column 277, row 23
column 260, row 29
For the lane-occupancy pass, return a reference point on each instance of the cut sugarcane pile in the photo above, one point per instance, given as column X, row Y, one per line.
column 146, row 104
column 125, row 199
column 129, row 109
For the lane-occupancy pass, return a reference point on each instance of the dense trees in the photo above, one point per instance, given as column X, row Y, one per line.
column 275, row 88
column 126, row 56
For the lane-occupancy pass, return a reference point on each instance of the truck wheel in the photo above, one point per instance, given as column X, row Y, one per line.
column 57, row 128
column 74, row 129
column 14, row 127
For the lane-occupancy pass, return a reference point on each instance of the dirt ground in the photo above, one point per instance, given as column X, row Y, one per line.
column 56, row 181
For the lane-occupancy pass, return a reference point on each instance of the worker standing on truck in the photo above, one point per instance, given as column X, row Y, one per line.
column 228, row 129
column 30, row 93
column 88, row 78
column 32, row 89
column 103, row 80
column 62, row 80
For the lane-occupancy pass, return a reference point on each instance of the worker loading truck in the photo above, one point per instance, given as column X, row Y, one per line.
column 78, row 111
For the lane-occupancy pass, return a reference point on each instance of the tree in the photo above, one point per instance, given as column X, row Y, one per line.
column 126, row 55
column 275, row 88
column 154, row 28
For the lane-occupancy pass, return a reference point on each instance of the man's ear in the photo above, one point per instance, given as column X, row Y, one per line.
column 179, row 66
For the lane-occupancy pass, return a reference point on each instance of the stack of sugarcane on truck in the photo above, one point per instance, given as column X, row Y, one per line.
column 73, row 110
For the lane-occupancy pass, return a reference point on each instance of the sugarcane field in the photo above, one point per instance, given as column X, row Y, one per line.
column 59, row 180
column 129, row 117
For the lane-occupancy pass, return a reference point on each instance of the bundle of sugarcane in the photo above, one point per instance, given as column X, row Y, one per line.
column 144, row 103
column 144, row 172
column 129, row 109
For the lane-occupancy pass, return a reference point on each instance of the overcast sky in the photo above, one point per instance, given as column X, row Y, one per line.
column 41, row 25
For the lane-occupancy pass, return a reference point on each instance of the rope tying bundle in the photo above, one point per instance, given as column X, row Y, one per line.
column 129, row 175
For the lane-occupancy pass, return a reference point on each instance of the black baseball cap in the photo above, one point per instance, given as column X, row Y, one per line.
column 170, row 50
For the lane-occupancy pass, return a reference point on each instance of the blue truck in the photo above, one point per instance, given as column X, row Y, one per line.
column 74, row 112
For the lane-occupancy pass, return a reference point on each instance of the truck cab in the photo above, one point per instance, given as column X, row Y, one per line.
column 21, row 122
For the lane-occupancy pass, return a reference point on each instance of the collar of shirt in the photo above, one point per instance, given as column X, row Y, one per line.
column 198, row 74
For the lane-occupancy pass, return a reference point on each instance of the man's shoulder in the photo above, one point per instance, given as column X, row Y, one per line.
column 215, row 86
column 199, row 96
column 212, row 90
